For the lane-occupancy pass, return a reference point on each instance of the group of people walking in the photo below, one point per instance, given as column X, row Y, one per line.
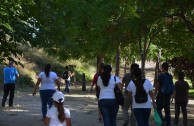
column 133, row 83
column 139, row 96
column 57, row 114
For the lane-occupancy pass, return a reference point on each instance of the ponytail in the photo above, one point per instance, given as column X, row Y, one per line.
column 138, row 76
column 106, row 75
column 60, row 108
column 47, row 70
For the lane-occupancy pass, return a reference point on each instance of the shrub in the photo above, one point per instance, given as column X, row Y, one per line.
column 25, row 81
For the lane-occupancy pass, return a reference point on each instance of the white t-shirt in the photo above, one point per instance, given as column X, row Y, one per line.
column 52, row 113
column 107, row 92
column 148, row 87
column 47, row 83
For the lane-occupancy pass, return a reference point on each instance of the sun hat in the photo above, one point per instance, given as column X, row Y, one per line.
column 58, row 97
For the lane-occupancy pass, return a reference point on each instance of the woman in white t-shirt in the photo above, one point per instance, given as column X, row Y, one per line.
column 141, row 110
column 47, row 79
column 107, row 103
column 58, row 115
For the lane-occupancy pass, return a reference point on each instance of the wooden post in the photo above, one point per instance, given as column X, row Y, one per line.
column 83, row 82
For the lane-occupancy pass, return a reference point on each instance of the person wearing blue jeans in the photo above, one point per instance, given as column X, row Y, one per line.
column 47, row 79
column 67, row 84
column 109, row 109
column 141, row 109
column 163, row 100
column 46, row 98
column 107, row 102
column 142, row 116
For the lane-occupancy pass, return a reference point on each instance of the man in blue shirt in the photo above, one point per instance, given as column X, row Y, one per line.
column 10, row 75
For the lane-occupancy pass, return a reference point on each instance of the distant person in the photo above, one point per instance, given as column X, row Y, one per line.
column 47, row 79
column 141, row 108
column 128, row 100
column 107, row 102
column 10, row 74
column 67, row 79
column 181, row 96
column 163, row 99
column 58, row 115
column 94, row 83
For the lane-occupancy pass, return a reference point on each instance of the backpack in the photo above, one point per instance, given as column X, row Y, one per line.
column 65, row 74
column 141, row 96
column 118, row 94
column 167, row 85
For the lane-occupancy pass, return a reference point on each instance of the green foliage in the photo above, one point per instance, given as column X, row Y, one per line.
column 25, row 81
column 84, row 29
column 191, row 93
column 14, row 29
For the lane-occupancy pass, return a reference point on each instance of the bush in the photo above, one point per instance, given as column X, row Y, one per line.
column 25, row 81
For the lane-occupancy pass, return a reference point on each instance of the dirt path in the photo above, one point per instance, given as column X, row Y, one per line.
column 27, row 111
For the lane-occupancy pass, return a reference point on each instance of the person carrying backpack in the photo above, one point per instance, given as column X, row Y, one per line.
column 141, row 91
column 67, row 79
column 164, row 89
column 128, row 100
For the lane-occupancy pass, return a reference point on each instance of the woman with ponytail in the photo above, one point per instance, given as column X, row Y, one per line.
column 141, row 109
column 47, row 79
column 58, row 115
column 107, row 103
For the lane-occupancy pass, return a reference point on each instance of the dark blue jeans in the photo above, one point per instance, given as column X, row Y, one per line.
column 46, row 98
column 142, row 116
column 109, row 109
column 67, row 83
column 163, row 102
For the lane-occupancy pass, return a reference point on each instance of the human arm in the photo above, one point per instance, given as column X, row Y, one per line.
column 129, row 89
column 156, row 89
column 46, row 121
column 58, row 83
column 70, row 74
column 36, row 86
column 120, row 86
column 94, row 81
column 17, row 73
column 152, row 95
column 124, row 81
column 68, row 121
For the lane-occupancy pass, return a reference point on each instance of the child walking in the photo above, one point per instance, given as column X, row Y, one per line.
column 181, row 98
column 58, row 115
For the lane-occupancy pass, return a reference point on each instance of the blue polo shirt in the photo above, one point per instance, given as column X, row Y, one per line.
column 10, row 74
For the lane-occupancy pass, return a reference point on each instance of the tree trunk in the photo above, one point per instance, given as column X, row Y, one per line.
column 83, row 82
column 100, row 59
column 125, row 67
column 117, row 62
column 156, row 72
column 143, row 64
column 157, row 68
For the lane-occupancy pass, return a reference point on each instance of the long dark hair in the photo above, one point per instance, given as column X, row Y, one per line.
column 106, row 75
column 60, row 108
column 138, row 77
column 47, row 70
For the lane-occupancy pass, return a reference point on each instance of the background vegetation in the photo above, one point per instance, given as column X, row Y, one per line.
column 93, row 31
